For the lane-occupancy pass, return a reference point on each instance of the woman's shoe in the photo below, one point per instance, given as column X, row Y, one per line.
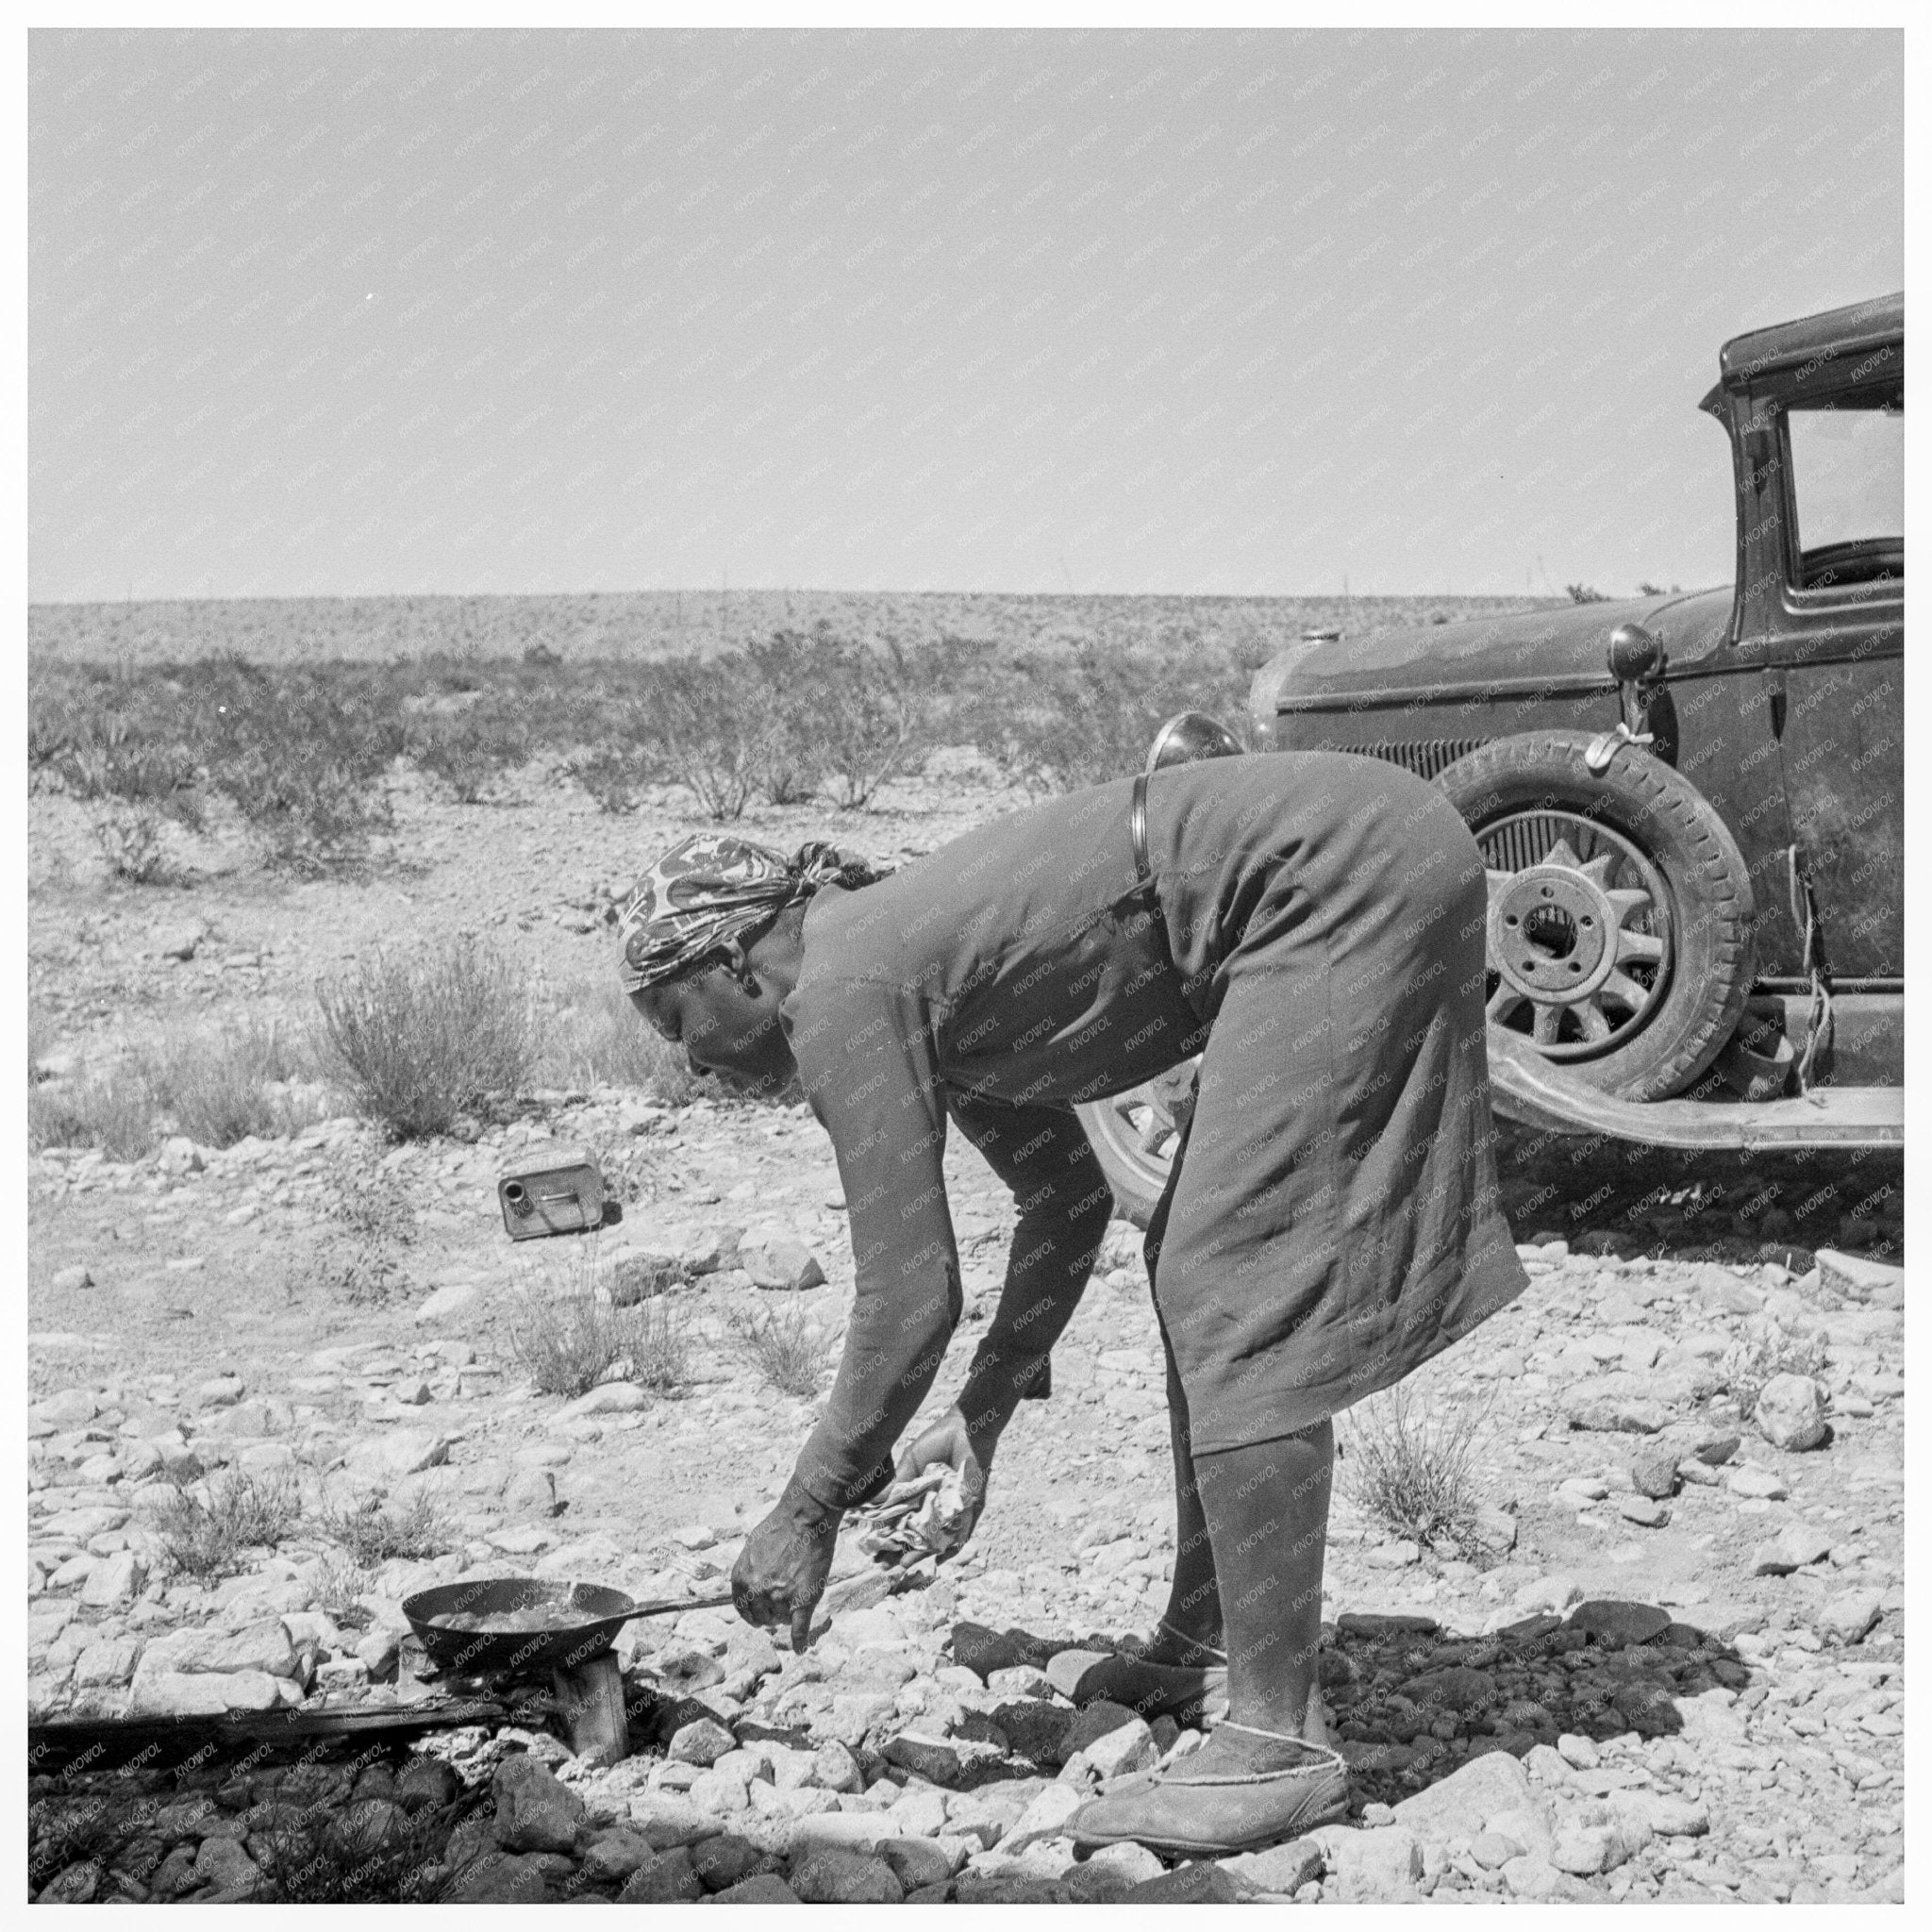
column 1196, row 1809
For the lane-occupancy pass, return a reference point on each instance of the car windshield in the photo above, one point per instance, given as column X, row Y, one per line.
column 1848, row 475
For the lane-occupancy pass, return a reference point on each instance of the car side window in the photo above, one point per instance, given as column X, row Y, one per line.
column 1847, row 472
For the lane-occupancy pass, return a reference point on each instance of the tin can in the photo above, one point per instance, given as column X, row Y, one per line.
column 553, row 1188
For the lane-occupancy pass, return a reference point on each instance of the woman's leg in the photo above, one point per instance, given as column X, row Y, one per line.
column 1267, row 1509
column 1191, row 1624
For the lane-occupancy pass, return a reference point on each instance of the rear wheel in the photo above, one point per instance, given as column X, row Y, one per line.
column 1620, row 915
column 1135, row 1134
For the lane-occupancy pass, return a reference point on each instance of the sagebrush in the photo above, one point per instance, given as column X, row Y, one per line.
column 1414, row 1470
column 418, row 1039
column 787, row 1346
column 205, row 1538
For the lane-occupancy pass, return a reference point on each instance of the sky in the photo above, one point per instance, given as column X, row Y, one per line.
column 1214, row 314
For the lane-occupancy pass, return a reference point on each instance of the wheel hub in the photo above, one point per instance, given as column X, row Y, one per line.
column 1553, row 934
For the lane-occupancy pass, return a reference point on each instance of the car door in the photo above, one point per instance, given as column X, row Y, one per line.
column 1832, row 646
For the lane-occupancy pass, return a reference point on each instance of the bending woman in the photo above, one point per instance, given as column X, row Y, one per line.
column 1312, row 924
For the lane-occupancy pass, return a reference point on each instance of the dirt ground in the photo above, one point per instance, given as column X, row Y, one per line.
column 211, row 1270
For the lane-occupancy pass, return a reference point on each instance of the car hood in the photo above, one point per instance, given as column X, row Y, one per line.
column 1556, row 649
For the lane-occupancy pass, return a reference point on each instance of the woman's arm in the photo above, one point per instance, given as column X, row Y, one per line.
column 864, row 1054
column 1064, row 1205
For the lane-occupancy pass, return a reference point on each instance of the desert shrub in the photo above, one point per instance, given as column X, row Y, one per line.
column 220, row 1087
column 468, row 753
column 715, row 729
column 112, row 1108
column 338, row 1595
column 837, row 713
column 418, row 1040
column 613, row 774
column 787, row 1347
column 1414, row 1471
column 1586, row 593
column 374, row 1531
column 1767, row 1350
column 131, row 841
column 376, row 1220
column 204, row 1539
column 567, row 1343
column 1057, row 724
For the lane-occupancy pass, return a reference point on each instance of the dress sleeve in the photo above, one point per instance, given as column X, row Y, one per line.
column 865, row 1058
column 1063, row 1204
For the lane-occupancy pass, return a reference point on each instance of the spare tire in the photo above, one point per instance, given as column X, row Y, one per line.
column 1621, row 911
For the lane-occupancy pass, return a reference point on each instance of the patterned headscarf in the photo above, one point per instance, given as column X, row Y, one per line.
column 706, row 890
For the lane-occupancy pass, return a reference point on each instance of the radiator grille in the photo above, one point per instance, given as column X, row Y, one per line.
column 1423, row 756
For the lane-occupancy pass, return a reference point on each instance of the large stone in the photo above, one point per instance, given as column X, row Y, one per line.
column 184, row 1693
column 530, row 1492
column 669, row 1878
column 1123, row 1750
column 1790, row 1413
column 1615, row 1623
column 1653, row 1470
column 1667, row 1815
column 983, row 1651
column 534, row 1811
column 1460, row 1805
column 448, row 1304
column 1095, row 1722
column 1045, row 1817
column 918, row 1861
column 1615, row 1403
column 1849, row 1615
column 500, row 1878
column 1760, row 1485
column 1198, row 1883
column 107, row 1662
column 1861, row 1279
column 72, row 1408
column 426, row 1783
column 223, row 1863
column 1795, row 1547
column 607, row 1398
column 824, row 1876
column 395, row 1452
column 776, row 1260
column 114, row 1582
column 702, row 1743
column 1281, row 1868
column 1371, row 1866
column 929, row 1758
column 667, row 1820
column 726, row 1860
column 1457, row 1688
column 762, row 1889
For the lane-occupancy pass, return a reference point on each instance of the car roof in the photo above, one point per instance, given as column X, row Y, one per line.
column 1791, row 345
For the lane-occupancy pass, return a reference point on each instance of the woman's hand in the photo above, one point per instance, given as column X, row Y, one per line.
column 947, row 1444
column 781, row 1574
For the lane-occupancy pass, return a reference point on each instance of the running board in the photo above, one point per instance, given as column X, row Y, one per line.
column 1529, row 1089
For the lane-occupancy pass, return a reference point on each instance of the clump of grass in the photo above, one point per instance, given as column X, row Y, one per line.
column 112, row 1108
column 569, row 1342
column 1414, row 1471
column 373, row 1531
column 222, row 1086
column 788, row 1348
column 204, row 1539
column 1768, row 1350
column 418, row 1040
column 376, row 1219
column 341, row 1592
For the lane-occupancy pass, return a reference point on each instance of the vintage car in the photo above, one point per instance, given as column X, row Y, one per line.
column 1692, row 806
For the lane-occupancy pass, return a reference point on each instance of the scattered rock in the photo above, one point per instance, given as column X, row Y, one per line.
column 114, row 1582
column 607, row 1398
column 764, row 1888
column 1644, row 1511
column 1199, row 1882
column 453, row 1299
column 668, row 1878
column 1460, row 1805
column 1790, row 1413
column 1045, row 1817
column 1371, row 1867
column 1282, row 1868
column 932, row 1759
column 424, row 1783
column 1615, row 1623
column 396, row 1453
column 534, row 1811
column 1861, row 1280
column 1849, row 1615
column 1654, row 1470
column 1123, row 1750
column 775, row 1261
column 1796, row 1545
column 1765, row 1485
column 701, row 1743
column 827, row 1878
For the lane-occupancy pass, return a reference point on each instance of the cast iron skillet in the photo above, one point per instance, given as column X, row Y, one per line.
column 600, row 1614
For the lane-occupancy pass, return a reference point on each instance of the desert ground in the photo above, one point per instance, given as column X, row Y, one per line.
column 1662, row 1655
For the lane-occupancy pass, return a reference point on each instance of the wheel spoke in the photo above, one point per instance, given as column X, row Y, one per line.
column 1560, row 854
column 1620, row 986
column 1504, row 1001
column 1152, row 1134
column 1598, row 870
column 1624, row 900
column 1544, row 1029
column 1591, row 1016
column 1497, row 879
column 1638, row 945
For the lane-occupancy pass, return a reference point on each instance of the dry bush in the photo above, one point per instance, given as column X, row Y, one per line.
column 1414, row 1471
column 418, row 1040
column 373, row 1531
column 130, row 840
column 112, row 1108
column 1766, row 1350
column 713, row 726
column 204, row 1539
column 569, row 1342
column 470, row 752
column 377, row 1219
column 788, row 1348
column 340, row 1593
column 837, row 713
column 614, row 774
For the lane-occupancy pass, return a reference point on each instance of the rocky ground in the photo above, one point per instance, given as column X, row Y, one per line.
column 1670, row 1665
